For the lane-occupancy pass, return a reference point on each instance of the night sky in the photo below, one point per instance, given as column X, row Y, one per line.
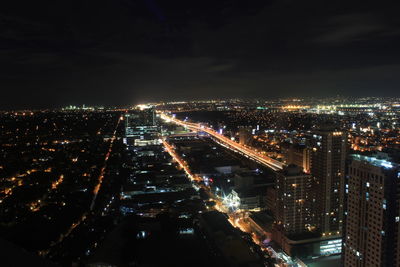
column 119, row 52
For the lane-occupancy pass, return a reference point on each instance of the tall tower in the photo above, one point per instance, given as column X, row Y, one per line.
column 328, row 158
column 141, row 128
column 299, row 155
column 371, row 232
column 244, row 135
column 293, row 191
column 144, row 117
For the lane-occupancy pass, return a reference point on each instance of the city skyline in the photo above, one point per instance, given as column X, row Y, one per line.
column 245, row 182
column 262, row 133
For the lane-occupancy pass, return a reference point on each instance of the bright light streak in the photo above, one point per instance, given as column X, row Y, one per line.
column 252, row 154
column 184, row 166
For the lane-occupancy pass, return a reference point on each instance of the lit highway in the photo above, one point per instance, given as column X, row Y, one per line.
column 181, row 162
column 235, row 216
column 183, row 165
column 248, row 152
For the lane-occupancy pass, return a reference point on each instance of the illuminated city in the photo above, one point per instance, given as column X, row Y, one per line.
column 147, row 133
column 189, row 165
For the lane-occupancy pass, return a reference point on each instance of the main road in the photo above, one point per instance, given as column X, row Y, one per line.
column 103, row 169
column 248, row 152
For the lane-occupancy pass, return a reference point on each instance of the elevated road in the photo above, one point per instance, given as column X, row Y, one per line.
column 247, row 152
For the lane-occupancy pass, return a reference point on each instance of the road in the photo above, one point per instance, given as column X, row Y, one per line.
column 235, row 216
column 95, row 193
column 103, row 169
column 180, row 161
column 246, row 151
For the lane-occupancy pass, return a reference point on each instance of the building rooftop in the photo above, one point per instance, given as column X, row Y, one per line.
column 375, row 161
column 263, row 219
column 292, row 170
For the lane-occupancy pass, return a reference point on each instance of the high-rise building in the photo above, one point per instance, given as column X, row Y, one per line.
column 299, row 155
column 328, row 158
column 371, row 232
column 293, row 188
column 146, row 117
column 293, row 230
column 244, row 135
column 141, row 128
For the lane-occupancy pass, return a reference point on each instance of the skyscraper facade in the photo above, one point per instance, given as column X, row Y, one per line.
column 141, row 128
column 145, row 117
column 293, row 192
column 299, row 155
column 328, row 159
column 371, row 232
column 244, row 135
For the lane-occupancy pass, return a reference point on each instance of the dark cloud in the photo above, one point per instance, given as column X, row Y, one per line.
column 348, row 28
column 124, row 51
